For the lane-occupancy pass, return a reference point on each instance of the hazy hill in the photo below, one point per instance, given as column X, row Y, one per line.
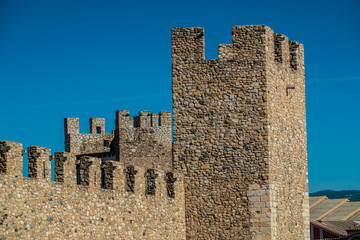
column 352, row 195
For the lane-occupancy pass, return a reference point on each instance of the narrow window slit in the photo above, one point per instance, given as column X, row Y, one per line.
column 78, row 174
column 215, row 124
column 44, row 169
column 103, row 178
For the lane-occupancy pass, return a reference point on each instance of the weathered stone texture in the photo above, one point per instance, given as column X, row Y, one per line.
column 38, row 162
column 288, row 162
column 236, row 126
column 37, row 208
column 147, row 143
column 97, row 141
column 236, row 169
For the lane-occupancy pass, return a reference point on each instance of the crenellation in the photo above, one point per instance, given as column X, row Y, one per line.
column 227, row 116
column 107, row 174
column 39, row 162
column 154, row 120
column 123, row 120
column 296, row 55
column 60, row 209
column 149, row 145
column 97, row 125
column 281, row 46
column 251, row 42
column 130, row 178
column 170, row 180
column 71, row 125
column 11, row 158
column 143, row 120
column 188, row 44
column 165, row 119
column 235, row 169
column 3, row 158
column 95, row 173
column 97, row 141
column 150, row 176
column 61, row 160
column 83, row 165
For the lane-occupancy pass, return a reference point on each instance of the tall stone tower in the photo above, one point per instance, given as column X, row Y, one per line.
column 239, row 135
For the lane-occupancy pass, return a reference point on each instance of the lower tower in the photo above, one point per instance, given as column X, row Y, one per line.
column 239, row 135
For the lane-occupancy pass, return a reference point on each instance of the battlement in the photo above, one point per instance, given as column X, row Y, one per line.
column 249, row 43
column 85, row 171
column 97, row 193
column 145, row 119
column 97, row 141
column 144, row 140
column 239, row 134
column 97, row 126
column 144, row 128
column 39, row 162
column 11, row 158
column 236, row 169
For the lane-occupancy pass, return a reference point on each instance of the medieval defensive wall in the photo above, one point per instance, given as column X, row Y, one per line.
column 231, row 163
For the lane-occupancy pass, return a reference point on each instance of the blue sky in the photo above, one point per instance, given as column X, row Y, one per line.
column 65, row 58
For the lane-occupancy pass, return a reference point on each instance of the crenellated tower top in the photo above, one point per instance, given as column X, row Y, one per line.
column 250, row 43
column 239, row 134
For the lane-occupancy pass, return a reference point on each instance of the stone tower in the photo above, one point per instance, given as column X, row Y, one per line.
column 239, row 135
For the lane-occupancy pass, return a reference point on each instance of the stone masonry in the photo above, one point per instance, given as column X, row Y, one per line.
column 92, row 205
column 239, row 135
column 235, row 169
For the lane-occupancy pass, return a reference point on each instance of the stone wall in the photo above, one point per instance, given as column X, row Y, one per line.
column 145, row 142
column 226, row 140
column 97, row 141
column 237, row 167
column 71, row 209
column 288, row 162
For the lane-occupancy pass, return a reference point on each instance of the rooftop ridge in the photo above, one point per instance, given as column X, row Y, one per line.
column 322, row 199
column 334, row 208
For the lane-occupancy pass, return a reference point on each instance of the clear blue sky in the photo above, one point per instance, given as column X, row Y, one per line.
column 66, row 58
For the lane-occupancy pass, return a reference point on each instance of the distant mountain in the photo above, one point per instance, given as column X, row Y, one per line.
column 352, row 195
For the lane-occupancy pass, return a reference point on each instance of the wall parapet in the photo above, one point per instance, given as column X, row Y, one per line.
column 236, row 125
column 84, row 171
column 39, row 162
column 249, row 43
column 87, row 192
column 147, row 142
column 97, row 141
column 11, row 158
column 145, row 119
